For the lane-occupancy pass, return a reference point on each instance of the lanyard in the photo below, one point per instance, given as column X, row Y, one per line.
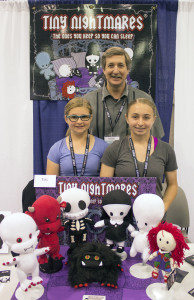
column 117, row 117
column 135, row 159
column 73, row 156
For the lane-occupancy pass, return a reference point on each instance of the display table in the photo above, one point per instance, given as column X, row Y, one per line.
column 56, row 285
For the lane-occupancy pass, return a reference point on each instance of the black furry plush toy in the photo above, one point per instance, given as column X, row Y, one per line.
column 93, row 262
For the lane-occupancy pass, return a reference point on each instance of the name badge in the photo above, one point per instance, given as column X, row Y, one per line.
column 111, row 139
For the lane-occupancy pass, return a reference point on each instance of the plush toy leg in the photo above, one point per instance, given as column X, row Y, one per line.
column 24, row 282
column 84, row 237
column 43, row 259
column 133, row 251
column 120, row 247
column 166, row 276
column 109, row 243
column 155, row 273
column 145, row 255
column 36, row 279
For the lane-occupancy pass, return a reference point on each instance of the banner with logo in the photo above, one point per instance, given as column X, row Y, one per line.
column 67, row 43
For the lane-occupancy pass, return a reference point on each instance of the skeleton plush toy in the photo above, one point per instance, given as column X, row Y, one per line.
column 19, row 232
column 148, row 210
column 167, row 245
column 117, row 217
column 75, row 212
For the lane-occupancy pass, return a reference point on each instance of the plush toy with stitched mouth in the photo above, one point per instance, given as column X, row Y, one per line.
column 46, row 213
column 167, row 245
column 19, row 232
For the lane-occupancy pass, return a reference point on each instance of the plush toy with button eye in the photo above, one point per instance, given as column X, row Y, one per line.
column 148, row 210
column 75, row 211
column 167, row 243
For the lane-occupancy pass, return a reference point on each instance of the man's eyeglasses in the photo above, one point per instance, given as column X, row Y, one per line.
column 75, row 118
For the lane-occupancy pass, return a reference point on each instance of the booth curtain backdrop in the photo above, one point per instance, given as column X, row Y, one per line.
column 184, row 104
column 48, row 116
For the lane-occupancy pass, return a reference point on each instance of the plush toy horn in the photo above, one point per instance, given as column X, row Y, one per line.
column 59, row 199
column 31, row 209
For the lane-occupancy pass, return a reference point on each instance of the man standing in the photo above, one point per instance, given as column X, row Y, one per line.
column 109, row 103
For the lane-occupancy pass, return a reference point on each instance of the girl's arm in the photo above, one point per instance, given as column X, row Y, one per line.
column 52, row 168
column 171, row 190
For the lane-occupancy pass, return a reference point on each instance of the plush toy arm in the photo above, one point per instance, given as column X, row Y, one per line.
column 60, row 229
column 89, row 221
column 12, row 262
column 130, row 228
column 99, row 224
column 40, row 235
column 66, row 223
column 41, row 251
column 173, row 264
column 134, row 233
column 153, row 255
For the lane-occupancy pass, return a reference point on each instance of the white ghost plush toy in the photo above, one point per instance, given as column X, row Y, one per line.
column 148, row 210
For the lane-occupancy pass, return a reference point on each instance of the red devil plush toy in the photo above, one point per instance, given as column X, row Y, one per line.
column 46, row 213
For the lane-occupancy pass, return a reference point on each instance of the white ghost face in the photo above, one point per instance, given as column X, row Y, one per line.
column 148, row 210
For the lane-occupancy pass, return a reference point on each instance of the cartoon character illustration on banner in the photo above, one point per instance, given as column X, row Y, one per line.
column 117, row 216
column 43, row 61
column 93, row 58
column 148, row 210
column 167, row 245
column 46, row 212
column 93, row 262
column 18, row 231
column 69, row 89
column 75, row 212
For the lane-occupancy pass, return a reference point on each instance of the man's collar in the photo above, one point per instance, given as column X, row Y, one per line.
column 105, row 92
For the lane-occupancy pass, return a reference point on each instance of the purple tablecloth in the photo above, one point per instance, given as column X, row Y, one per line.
column 129, row 288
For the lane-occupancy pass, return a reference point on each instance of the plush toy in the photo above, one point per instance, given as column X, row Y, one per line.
column 117, row 217
column 167, row 243
column 93, row 262
column 19, row 232
column 46, row 213
column 148, row 210
column 75, row 211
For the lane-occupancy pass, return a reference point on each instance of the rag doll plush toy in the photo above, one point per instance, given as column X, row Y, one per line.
column 117, row 217
column 93, row 262
column 148, row 210
column 75, row 212
column 46, row 213
column 19, row 232
column 167, row 245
